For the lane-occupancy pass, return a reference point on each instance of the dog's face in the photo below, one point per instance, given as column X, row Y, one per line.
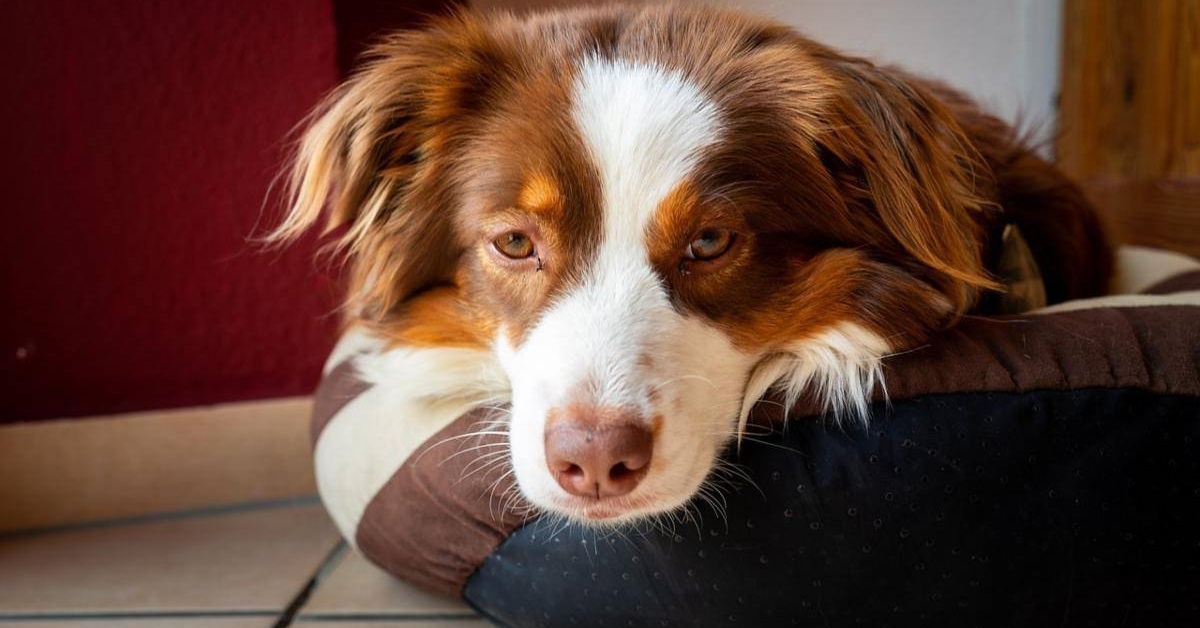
column 646, row 217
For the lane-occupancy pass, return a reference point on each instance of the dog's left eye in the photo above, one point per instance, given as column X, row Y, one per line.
column 515, row 245
column 709, row 244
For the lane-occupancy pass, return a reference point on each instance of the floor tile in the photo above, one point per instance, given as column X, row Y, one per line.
column 145, row 622
column 254, row 560
column 355, row 587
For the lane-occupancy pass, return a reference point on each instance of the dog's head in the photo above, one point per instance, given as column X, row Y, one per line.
column 647, row 216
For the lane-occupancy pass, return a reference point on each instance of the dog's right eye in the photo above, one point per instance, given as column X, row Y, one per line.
column 709, row 245
column 514, row 245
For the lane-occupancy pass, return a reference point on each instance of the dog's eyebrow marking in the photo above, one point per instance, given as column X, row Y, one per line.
column 540, row 195
column 644, row 127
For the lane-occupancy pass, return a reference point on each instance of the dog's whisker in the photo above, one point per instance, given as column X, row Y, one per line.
column 488, row 467
column 730, row 468
column 458, row 437
column 711, row 496
column 506, row 497
column 488, row 457
column 559, row 527
column 482, row 462
column 691, row 514
column 472, row 450
column 668, row 382
column 496, row 483
column 767, row 443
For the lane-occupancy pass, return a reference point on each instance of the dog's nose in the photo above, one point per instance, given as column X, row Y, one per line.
column 598, row 457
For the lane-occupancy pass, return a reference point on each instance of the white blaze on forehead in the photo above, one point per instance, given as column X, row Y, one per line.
column 644, row 127
column 614, row 339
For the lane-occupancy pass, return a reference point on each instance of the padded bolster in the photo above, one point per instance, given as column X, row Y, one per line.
column 415, row 499
column 1072, row 507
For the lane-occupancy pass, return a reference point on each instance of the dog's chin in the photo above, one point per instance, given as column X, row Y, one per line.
column 612, row 511
column 603, row 512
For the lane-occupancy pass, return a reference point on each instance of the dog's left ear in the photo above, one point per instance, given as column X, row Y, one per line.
column 909, row 162
column 377, row 157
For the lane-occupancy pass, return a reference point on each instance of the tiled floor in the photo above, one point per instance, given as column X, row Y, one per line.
column 274, row 565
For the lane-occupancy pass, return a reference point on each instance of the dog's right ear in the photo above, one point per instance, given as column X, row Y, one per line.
column 376, row 154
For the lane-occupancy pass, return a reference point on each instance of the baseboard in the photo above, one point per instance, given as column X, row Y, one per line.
column 76, row 471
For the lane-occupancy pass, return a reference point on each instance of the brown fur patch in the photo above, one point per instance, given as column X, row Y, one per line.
column 439, row 318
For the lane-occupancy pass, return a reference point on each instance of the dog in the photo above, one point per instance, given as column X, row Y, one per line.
column 628, row 224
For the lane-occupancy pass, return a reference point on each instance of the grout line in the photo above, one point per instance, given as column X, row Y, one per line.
column 286, row 502
column 327, row 564
column 331, row 561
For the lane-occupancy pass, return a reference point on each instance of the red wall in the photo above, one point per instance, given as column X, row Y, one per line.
column 139, row 138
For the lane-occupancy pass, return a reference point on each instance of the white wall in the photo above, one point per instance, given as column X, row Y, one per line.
column 1003, row 52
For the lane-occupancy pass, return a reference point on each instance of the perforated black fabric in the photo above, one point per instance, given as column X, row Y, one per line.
column 1072, row 508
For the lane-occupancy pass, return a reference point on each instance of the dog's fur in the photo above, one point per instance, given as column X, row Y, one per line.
column 864, row 206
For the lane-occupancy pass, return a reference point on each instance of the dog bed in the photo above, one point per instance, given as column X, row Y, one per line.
column 1024, row 469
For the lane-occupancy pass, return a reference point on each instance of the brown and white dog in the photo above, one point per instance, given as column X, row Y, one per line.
column 629, row 224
